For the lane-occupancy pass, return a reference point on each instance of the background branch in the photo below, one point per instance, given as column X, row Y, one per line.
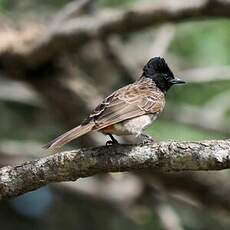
column 206, row 74
column 211, row 189
column 72, row 9
column 197, row 117
column 75, row 33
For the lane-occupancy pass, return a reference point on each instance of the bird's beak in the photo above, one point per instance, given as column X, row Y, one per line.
column 177, row 81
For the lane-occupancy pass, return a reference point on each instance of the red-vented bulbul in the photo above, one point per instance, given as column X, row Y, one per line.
column 130, row 109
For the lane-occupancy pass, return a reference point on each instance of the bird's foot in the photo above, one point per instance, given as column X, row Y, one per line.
column 109, row 143
column 112, row 141
column 146, row 139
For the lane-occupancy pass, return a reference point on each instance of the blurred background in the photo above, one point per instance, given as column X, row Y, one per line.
column 53, row 73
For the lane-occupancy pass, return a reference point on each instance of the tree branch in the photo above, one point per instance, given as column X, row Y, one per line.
column 71, row 9
column 77, row 32
column 71, row 165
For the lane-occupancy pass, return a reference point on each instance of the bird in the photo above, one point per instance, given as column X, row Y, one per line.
column 130, row 109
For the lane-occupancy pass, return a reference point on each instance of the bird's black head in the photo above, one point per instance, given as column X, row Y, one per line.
column 158, row 70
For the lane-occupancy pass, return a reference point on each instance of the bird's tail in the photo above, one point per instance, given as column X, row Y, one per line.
column 69, row 136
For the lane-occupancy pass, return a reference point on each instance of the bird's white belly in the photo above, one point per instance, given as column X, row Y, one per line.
column 134, row 126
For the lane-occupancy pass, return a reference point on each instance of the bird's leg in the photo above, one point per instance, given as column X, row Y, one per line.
column 146, row 139
column 112, row 141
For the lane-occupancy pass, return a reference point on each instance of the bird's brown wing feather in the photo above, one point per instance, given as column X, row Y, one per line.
column 128, row 102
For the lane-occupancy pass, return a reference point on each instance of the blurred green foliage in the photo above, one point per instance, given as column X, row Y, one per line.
column 169, row 130
column 3, row 4
column 115, row 3
column 197, row 93
column 203, row 43
column 15, row 4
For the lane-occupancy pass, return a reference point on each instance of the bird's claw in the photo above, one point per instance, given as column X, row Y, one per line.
column 109, row 143
column 146, row 139
column 112, row 141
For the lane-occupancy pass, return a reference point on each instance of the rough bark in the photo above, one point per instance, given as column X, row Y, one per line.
column 71, row 165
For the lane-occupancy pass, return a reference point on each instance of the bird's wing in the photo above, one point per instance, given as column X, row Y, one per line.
column 128, row 102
